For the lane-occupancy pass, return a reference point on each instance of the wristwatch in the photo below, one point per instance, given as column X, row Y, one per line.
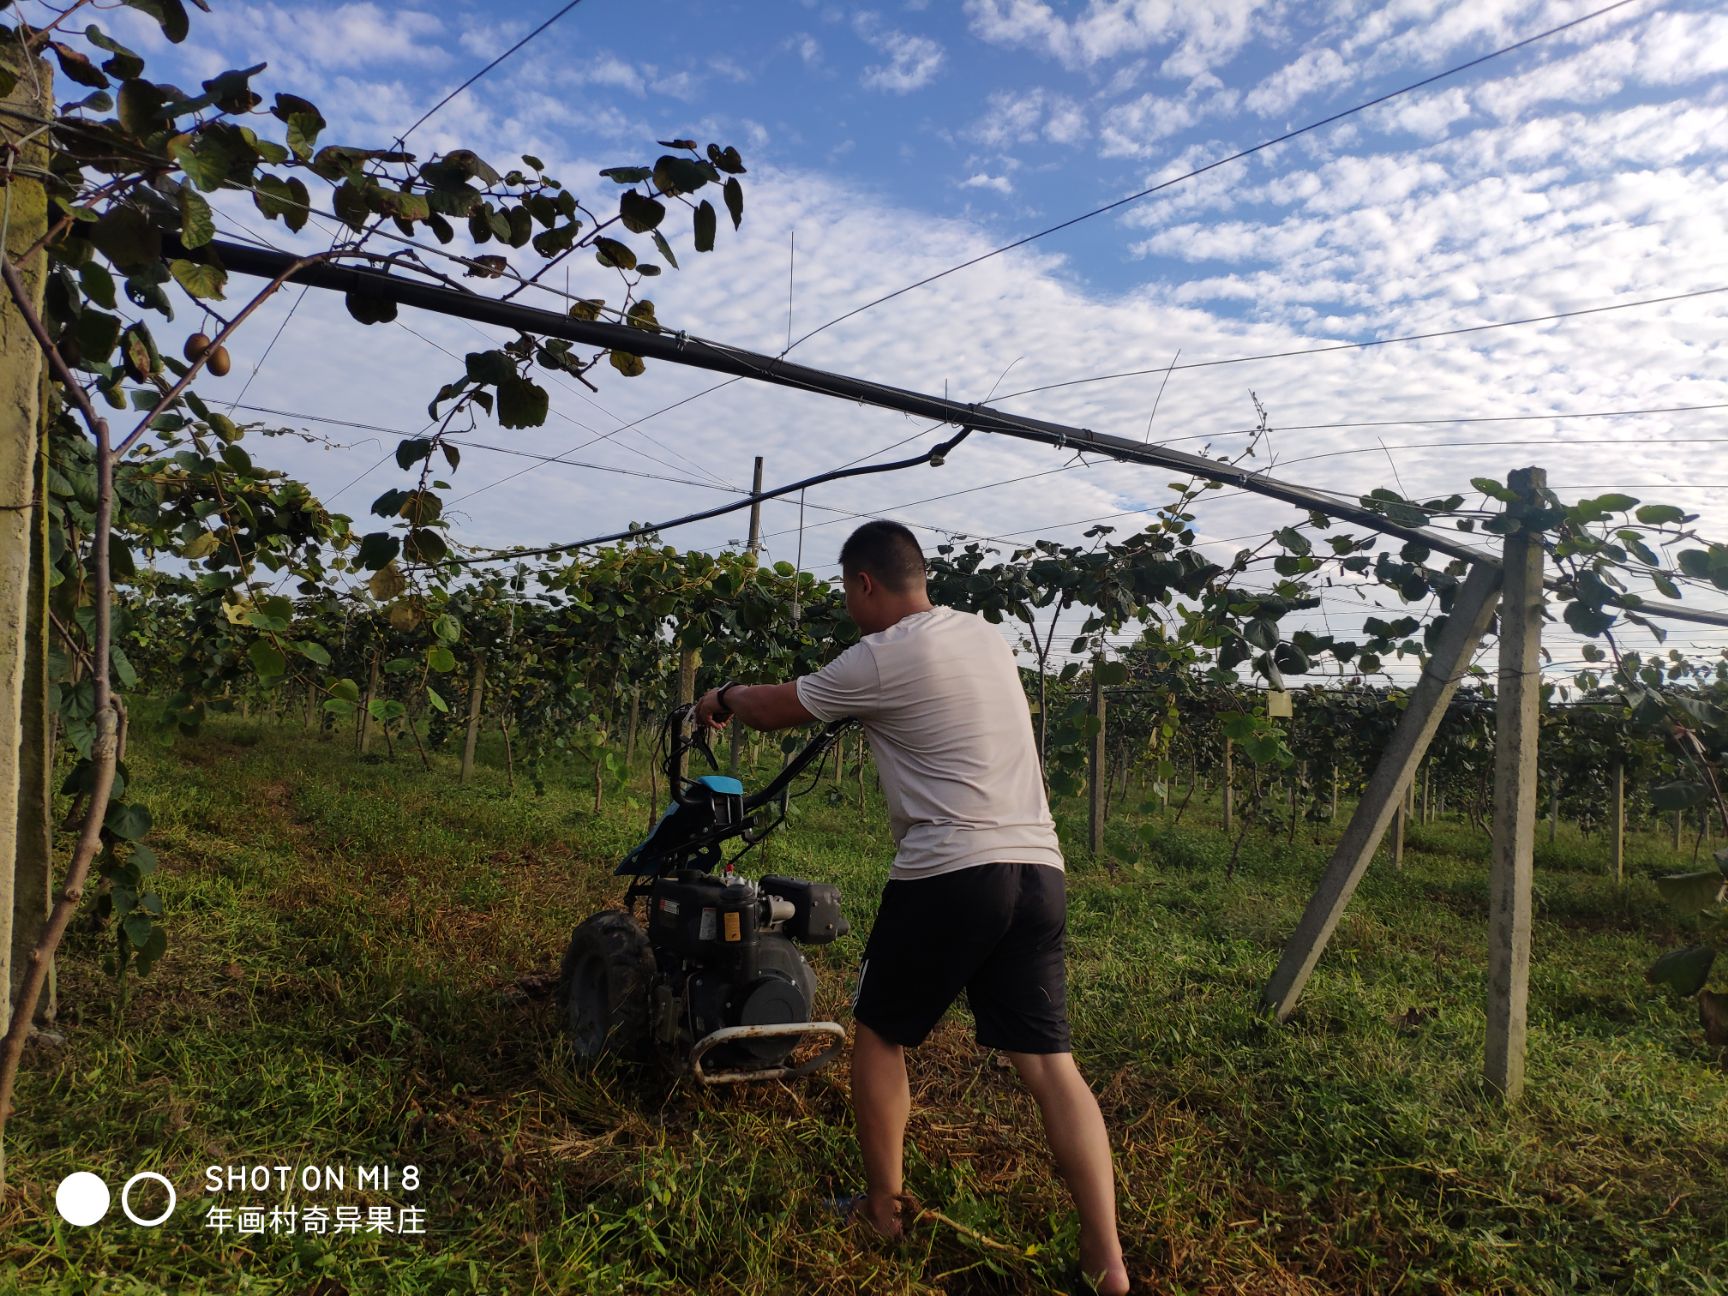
column 722, row 711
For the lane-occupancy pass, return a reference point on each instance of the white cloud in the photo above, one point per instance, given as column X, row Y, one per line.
column 1196, row 34
column 1295, row 81
column 913, row 61
column 807, row 47
column 1022, row 117
column 1134, row 128
column 1001, row 184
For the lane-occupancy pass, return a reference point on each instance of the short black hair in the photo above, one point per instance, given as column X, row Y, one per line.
column 889, row 552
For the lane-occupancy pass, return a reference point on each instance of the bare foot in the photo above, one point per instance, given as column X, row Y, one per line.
column 1104, row 1270
column 886, row 1214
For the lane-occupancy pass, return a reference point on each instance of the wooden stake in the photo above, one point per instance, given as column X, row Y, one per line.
column 1516, row 717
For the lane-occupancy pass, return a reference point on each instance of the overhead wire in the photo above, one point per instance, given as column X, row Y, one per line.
column 1219, row 162
column 1375, row 342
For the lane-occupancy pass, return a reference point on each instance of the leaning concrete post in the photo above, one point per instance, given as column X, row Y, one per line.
column 1471, row 612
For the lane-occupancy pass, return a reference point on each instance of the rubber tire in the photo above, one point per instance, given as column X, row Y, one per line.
column 605, row 988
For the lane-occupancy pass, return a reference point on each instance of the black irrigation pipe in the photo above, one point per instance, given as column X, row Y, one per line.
column 681, row 348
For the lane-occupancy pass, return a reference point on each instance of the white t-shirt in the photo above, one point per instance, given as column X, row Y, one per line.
column 939, row 697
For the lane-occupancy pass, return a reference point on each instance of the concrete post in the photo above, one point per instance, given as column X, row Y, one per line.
column 1617, row 824
column 1517, row 707
column 476, row 696
column 1098, row 774
column 26, row 831
column 1229, row 788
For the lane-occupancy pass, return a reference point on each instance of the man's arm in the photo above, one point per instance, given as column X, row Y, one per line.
column 757, row 706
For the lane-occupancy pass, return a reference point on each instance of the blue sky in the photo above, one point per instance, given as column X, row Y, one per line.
column 897, row 139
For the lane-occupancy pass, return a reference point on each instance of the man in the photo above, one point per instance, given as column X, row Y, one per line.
column 976, row 898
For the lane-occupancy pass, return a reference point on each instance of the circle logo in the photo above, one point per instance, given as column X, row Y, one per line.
column 82, row 1198
column 126, row 1196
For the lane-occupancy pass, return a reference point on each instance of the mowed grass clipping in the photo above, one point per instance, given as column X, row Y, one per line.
column 357, row 973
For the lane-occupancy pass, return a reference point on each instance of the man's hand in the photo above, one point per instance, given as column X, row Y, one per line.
column 757, row 706
column 709, row 713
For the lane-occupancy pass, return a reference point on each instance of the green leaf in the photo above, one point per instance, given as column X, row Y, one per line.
column 267, row 659
column 704, row 224
column 1587, row 620
column 733, row 192
column 377, row 549
column 170, row 13
column 446, row 628
column 424, row 545
column 665, row 249
column 197, row 222
column 1678, row 795
column 138, row 928
column 1691, row 892
column 1294, row 541
column 1659, row 514
column 200, row 280
column 128, row 821
column 437, row 702
column 1112, row 672
column 345, row 689
column 126, row 237
column 522, row 403
column 1261, row 633
column 678, row 175
column 610, row 252
column 441, row 659
column 316, row 653
column 125, row 64
column 1684, row 970
column 284, row 200
column 78, row 67
column 639, row 214
column 1614, row 502
column 627, row 175
column 387, row 582
column 369, row 308
column 98, row 286
column 412, row 451
column 140, row 106
column 629, row 365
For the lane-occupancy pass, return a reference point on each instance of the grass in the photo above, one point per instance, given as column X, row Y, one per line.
column 358, row 951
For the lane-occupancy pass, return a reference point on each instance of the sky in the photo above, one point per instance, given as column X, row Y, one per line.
column 889, row 142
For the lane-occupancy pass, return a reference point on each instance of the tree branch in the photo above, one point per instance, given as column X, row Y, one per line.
column 168, row 397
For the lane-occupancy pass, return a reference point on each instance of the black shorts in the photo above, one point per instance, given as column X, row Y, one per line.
column 993, row 930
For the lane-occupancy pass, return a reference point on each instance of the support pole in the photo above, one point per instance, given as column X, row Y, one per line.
column 366, row 707
column 476, row 693
column 1098, row 777
column 1398, row 824
column 1471, row 612
column 26, row 721
column 1516, row 719
column 1229, row 788
column 756, row 509
column 630, row 729
column 1553, row 805
column 1617, row 824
